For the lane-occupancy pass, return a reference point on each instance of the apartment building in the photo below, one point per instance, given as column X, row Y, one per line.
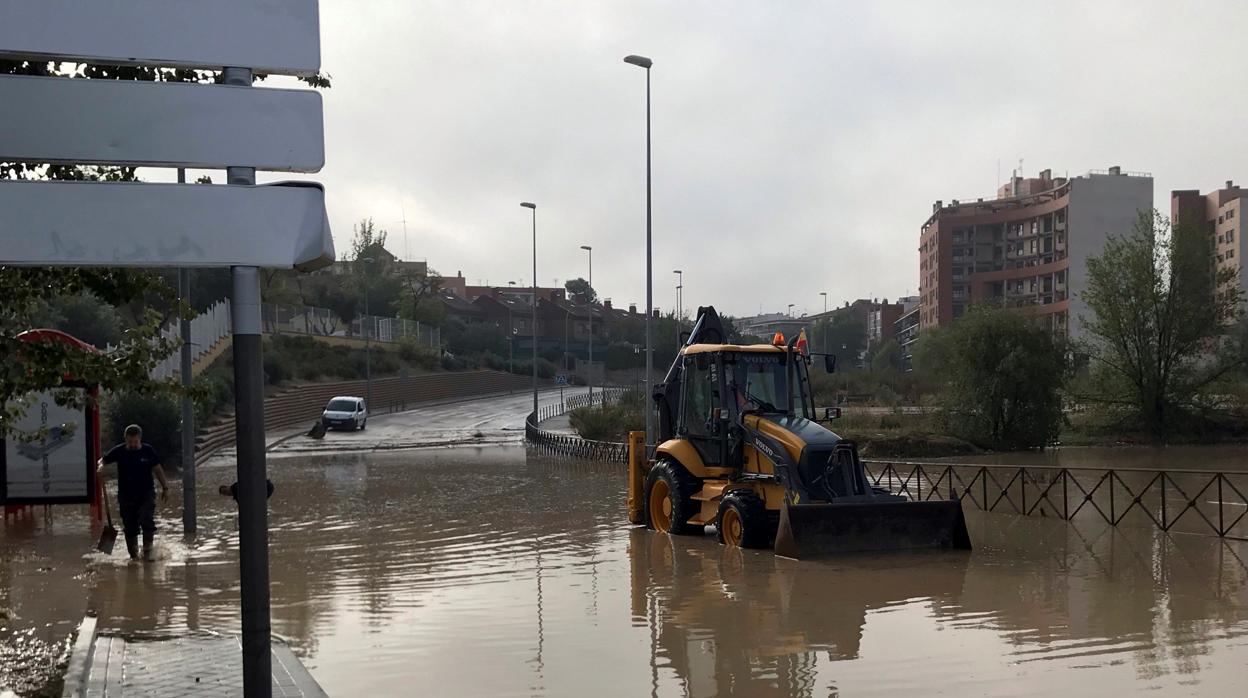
column 1220, row 213
column 1028, row 247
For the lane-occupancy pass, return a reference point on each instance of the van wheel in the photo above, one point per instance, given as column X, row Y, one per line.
column 364, row 424
column 742, row 521
column 669, row 499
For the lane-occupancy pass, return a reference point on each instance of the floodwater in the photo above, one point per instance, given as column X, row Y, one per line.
column 497, row 572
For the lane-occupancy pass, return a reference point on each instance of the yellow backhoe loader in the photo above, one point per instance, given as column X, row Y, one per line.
column 740, row 447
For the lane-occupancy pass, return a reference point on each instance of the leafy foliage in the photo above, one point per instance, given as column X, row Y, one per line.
column 1158, row 337
column 580, row 292
column 845, row 335
column 1002, row 377
column 610, row 422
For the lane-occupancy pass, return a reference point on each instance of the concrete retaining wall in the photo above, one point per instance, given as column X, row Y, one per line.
column 303, row 404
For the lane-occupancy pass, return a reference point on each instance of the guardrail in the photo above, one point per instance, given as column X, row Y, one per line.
column 571, row 445
column 1187, row 501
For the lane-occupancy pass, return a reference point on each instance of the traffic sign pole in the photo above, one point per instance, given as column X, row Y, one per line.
column 253, row 524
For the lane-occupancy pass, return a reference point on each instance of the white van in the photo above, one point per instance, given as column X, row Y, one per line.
column 345, row 412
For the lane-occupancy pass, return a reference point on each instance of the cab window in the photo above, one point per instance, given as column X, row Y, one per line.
column 700, row 395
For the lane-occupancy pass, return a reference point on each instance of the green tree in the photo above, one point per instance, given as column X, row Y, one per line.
column 887, row 357
column 418, row 300
column 845, row 335
column 1161, row 318
column 1002, row 378
column 580, row 291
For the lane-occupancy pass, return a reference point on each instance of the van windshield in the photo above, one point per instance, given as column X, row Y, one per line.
column 340, row 406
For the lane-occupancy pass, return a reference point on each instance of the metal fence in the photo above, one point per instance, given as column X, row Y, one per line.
column 1184, row 501
column 302, row 319
column 208, row 328
column 213, row 325
column 571, row 445
column 1188, row 501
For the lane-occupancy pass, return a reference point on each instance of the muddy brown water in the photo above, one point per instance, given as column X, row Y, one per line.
column 475, row 572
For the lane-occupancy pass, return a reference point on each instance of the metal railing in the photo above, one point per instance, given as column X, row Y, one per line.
column 1188, row 501
column 571, row 445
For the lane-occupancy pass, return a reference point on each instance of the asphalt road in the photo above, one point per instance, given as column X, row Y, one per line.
column 483, row 421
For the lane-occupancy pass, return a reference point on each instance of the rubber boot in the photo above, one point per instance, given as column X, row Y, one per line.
column 149, row 552
column 132, row 546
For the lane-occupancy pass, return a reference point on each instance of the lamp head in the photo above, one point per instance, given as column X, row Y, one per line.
column 527, row 204
column 640, row 61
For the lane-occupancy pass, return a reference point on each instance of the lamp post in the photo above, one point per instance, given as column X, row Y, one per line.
column 680, row 299
column 590, row 380
column 511, row 335
column 791, row 309
column 368, row 345
column 825, row 319
column 646, row 63
column 533, row 207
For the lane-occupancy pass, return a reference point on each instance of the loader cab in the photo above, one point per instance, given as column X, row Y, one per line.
column 702, row 419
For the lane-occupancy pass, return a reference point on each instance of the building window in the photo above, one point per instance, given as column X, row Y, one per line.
column 1230, row 213
column 1230, row 236
column 1230, row 254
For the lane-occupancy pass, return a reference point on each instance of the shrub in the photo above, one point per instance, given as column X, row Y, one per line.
column 1003, row 378
column 610, row 422
column 419, row 355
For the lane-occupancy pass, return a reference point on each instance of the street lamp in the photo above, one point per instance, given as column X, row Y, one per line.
column 643, row 62
column 680, row 294
column 678, row 315
column 511, row 334
column 368, row 345
column 791, row 309
column 825, row 319
column 533, row 207
column 590, row 380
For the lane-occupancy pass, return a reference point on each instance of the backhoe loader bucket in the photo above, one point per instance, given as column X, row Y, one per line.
column 814, row 530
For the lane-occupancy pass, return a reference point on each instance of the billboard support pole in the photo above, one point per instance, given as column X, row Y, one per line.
column 253, row 543
column 190, row 524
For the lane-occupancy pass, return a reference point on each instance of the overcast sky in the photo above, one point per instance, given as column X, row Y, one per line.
column 798, row 147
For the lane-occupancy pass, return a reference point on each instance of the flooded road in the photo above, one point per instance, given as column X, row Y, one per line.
column 493, row 571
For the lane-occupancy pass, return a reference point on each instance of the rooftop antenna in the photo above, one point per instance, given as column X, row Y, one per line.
column 407, row 251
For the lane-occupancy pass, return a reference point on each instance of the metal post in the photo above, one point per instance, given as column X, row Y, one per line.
column 189, row 518
column 649, row 398
column 368, row 351
column 590, row 250
column 533, row 334
column 253, row 543
column 189, row 522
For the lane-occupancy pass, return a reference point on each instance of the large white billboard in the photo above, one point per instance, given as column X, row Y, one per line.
column 54, row 469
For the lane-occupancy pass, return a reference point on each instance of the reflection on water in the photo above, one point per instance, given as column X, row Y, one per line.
column 494, row 572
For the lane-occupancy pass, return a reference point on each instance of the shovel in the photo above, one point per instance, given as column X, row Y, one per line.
column 108, row 537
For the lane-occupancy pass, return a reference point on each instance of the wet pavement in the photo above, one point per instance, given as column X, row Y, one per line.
column 490, row 570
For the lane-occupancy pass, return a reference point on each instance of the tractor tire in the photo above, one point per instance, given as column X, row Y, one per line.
column 669, row 499
column 742, row 521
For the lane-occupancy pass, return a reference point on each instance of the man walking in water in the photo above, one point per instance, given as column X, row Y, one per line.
column 136, row 463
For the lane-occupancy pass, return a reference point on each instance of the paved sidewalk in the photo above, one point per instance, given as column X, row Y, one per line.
column 202, row 664
column 558, row 425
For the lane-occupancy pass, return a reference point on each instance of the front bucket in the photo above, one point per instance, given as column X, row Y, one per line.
column 813, row 530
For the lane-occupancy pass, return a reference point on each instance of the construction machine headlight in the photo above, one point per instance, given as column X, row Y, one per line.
column 831, row 413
